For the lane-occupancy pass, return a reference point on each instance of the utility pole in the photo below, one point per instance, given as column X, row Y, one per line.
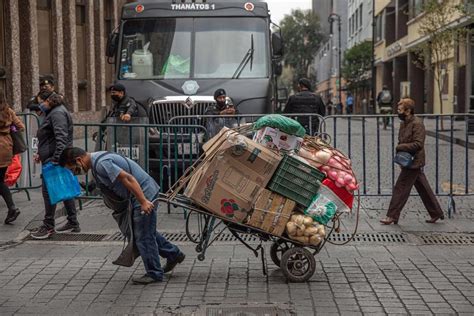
column 331, row 19
column 372, row 105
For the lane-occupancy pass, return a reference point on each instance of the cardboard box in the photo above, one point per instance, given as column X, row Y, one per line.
column 229, row 183
column 277, row 140
column 271, row 212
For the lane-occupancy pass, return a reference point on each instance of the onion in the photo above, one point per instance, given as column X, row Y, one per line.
column 348, row 179
column 332, row 174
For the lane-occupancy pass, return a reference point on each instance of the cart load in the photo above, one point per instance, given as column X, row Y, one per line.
column 264, row 178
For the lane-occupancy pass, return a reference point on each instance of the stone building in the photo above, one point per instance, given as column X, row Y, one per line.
column 63, row 38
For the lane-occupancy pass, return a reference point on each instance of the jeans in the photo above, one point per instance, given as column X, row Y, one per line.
column 50, row 210
column 151, row 244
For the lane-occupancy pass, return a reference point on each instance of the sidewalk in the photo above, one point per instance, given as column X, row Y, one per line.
column 360, row 278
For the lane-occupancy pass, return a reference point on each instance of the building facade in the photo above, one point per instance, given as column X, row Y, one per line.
column 359, row 22
column 65, row 39
column 326, row 62
column 397, row 33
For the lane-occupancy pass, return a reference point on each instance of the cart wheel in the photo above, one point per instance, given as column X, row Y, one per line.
column 201, row 257
column 198, row 221
column 298, row 264
column 277, row 249
column 198, row 248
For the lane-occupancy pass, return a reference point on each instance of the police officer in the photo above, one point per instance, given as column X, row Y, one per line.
column 124, row 106
column 306, row 102
column 46, row 84
column 223, row 106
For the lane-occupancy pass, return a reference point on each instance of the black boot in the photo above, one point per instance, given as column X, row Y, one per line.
column 12, row 215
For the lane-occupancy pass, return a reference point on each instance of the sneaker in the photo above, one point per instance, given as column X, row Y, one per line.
column 69, row 227
column 171, row 264
column 42, row 233
column 145, row 279
column 12, row 215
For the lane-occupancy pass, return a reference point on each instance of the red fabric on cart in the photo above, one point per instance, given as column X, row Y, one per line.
column 342, row 193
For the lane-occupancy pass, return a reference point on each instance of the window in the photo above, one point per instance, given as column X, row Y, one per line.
column 416, row 7
column 356, row 15
column 350, row 26
column 379, row 31
column 180, row 48
column 360, row 15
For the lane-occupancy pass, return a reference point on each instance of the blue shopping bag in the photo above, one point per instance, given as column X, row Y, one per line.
column 61, row 184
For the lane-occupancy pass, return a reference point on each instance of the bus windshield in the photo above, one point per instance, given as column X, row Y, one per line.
column 181, row 48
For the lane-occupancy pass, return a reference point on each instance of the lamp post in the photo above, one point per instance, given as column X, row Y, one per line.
column 332, row 17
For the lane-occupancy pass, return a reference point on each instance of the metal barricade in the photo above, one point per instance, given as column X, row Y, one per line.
column 163, row 151
column 242, row 119
column 30, row 174
column 372, row 149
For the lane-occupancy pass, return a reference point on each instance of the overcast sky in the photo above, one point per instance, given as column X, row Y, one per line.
column 278, row 8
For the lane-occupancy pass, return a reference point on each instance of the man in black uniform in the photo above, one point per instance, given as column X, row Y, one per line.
column 123, row 106
column 306, row 102
column 46, row 84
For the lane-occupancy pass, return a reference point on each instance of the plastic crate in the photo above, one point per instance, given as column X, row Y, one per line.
column 296, row 180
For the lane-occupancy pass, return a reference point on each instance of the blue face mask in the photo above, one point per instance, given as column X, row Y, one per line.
column 43, row 108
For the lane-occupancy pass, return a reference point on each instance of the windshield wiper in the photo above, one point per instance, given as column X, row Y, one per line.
column 248, row 57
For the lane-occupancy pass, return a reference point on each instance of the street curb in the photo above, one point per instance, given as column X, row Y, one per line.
column 21, row 236
column 456, row 140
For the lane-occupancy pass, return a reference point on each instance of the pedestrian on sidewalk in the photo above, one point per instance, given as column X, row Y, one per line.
column 411, row 139
column 305, row 101
column 122, row 180
column 54, row 135
column 8, row 119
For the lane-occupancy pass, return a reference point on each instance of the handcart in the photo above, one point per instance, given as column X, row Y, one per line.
column 296, row 260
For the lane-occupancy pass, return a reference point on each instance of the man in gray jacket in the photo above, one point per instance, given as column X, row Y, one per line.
column 54, row 135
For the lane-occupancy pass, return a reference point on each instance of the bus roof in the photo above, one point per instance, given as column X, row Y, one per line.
column 214, row 8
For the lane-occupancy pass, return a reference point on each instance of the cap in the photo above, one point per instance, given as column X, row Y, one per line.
column 218, row 93
column 46, row 81
column 117, row 87
column 305, row 83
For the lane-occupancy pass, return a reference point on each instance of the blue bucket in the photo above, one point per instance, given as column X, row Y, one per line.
column 61, row 184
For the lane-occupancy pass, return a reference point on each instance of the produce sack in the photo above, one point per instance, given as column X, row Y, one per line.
column 61, row 184
column 346, row 196
column 283, row 123
column 303, row 229
column 13, row 171
column 324, row 206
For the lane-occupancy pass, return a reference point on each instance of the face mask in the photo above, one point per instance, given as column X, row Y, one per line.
column 220, row 104
column 43, row 108
column 79, row 170
column 402, row 116
column 116, row 98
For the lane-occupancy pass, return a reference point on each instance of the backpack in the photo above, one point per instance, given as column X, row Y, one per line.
column 385, row 97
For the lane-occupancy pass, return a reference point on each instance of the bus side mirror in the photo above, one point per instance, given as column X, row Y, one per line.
column 112, row 43
column 277, row 45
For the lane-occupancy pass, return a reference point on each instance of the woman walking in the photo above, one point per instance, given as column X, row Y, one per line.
column 411, row 139
column 8, row 119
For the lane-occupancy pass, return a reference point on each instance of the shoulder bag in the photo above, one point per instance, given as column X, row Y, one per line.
column 19, row 144
column 404, row 159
